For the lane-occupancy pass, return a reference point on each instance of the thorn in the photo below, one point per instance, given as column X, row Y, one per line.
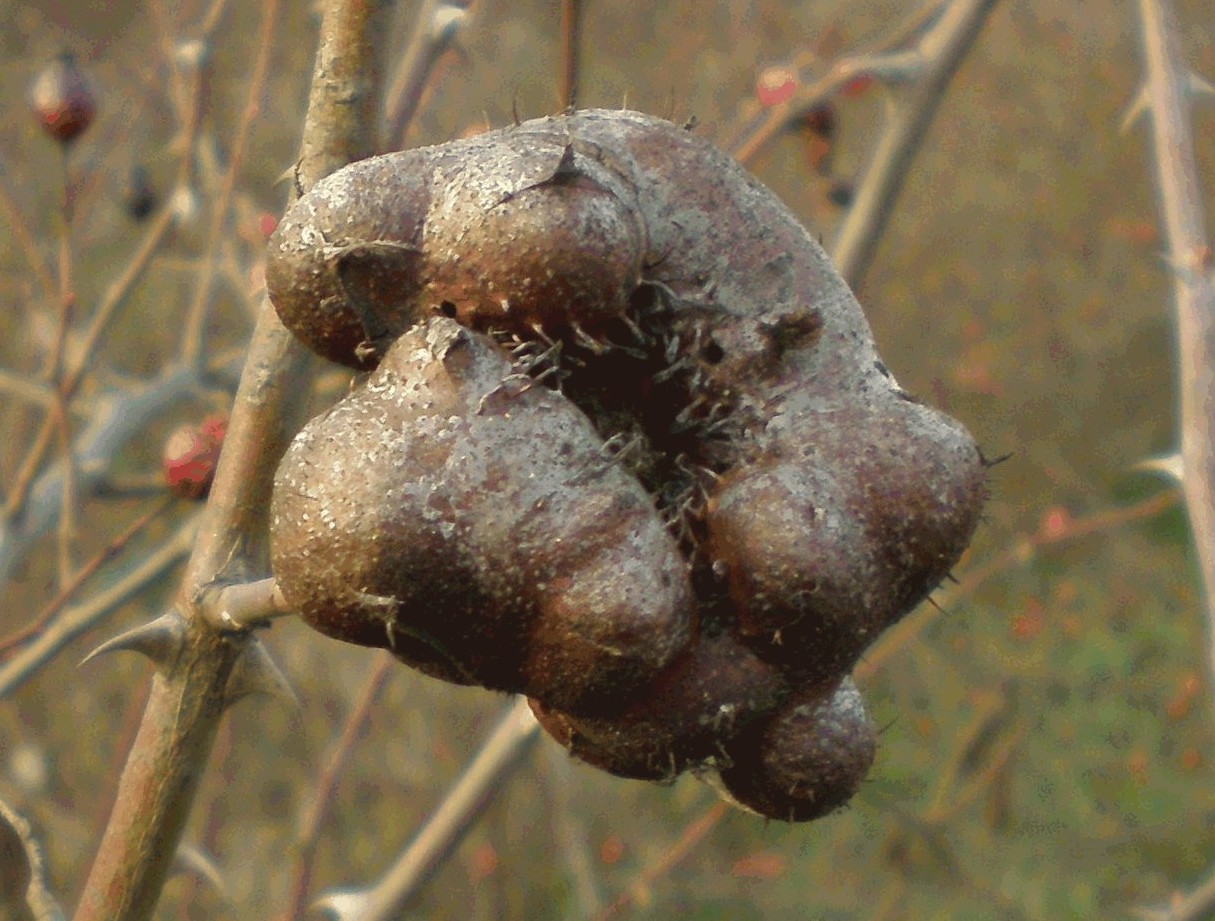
column 256, row 672
column 525, row 381
column 634, row 328
column 1190, row 265
column 290, row 174
column 885, row 727
column 566, row 167
column 160, row 640
column 1199, row 86
column 342, row 904
column 1138, row 106
column 992, row 461
column 671, row 350
column 446, row 22
column 587, row 341
column 539, row 331
column 1168, row 465
column 671, row 370
column 192, row 859
column 550, row 371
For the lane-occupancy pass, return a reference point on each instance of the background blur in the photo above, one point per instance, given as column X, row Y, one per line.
column 1047, row 749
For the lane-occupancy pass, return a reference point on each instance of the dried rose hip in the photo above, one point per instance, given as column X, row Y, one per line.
column 63, row 100
column 190, row 455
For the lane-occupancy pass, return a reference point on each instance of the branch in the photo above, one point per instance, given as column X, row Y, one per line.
column 188, row 697
column 1195, row 906
column 118, row 417
column 463, row 804
column 73, row 621
column 335, row 762
column 435, row 28
column 942, row 37
column 24, row 895
column 1166, row 96
column 941, row 51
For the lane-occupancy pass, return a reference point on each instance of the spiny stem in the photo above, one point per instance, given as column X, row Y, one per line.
column 188, row 698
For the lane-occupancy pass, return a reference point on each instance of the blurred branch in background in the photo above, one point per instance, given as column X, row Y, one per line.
column 1196, row 905
column 322, row 797
column 915, row 74
column 480, row 782
column 1165, row 100
column 436, row 25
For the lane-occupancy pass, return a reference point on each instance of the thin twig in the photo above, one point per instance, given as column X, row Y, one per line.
column 571, row 33
column 67, row 302
column 67, row 507
column 460, row 808
column 694, row 832
column 164, row 34
column 194, row 334
column 1019, row 552
column 69, row 591
column 194, row 56
column 435, row 28
column 73, row 621
column 941, row 51
column 980, row 748
column 1167, row 100
column 335, row 763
